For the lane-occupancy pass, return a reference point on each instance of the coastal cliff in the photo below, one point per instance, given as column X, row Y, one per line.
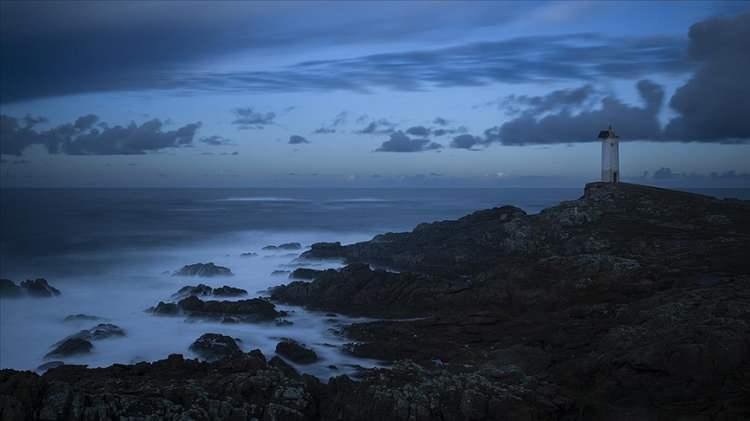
column 631, row 302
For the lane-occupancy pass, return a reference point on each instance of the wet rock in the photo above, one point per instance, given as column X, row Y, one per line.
column 282, row 365
column 296, row 352
column 304, row 273
column 203, row 270
column 213, row 346
column 199, row 290
column 9, row 289
column 285, row 246
column 71, row 346
column 248, row 254
column 279, row 272
column 227, row 291
column 252, row 310
column 325, row 251
column 165, row 309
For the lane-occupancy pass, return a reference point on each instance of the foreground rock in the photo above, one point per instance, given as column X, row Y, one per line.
column 296, row 352
column 213, row 346
column 38, row 288
column 245, row 386
column 251, row 310
column 204, row 270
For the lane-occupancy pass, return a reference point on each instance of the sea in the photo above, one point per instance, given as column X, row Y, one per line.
column 113, row 253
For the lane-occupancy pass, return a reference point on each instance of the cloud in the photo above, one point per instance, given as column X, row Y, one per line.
column 714, row 104
column 81, row 138
column 297, row 140
column 381, row 126
column 400, row 142
column 216, row 140
column 340, row 120
column 562, row 99
column 418, row 131
column 249, row 119
column 466, row 141
column 440, row 121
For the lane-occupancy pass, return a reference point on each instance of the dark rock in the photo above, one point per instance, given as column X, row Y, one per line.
column 81, row 318
column 279, row 272
column 39, row 288
column 325, row 251
column 213, row 346
column 165, row 309
column 252, row 310
column 304, row 273
column 227, row 291
column 71, row 346
column 248, row 254
column 199, row 290
column 285, row 368
column 296, row 352
column 285, row 246
column 9, row 289
column 203, row 270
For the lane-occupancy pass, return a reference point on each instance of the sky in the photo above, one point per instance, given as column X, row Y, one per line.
column 371, row 94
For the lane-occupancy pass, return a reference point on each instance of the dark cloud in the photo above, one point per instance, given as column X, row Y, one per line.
column 81, row 138
column 340, row 120
column 297, row 140
column 248, row 118
column 466, row 141
column 324, row 130
column 440, row 121
column 714, row 104
column 216, row 140
column 400, row 142
column 418, row 131
column 555, row 101
column 381, row 126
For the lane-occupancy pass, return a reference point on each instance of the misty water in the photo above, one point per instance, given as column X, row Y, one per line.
column 112, row 254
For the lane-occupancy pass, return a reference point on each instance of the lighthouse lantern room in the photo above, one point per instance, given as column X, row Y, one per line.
column 610, row 156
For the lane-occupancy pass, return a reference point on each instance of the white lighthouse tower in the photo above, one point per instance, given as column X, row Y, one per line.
column 610, row 156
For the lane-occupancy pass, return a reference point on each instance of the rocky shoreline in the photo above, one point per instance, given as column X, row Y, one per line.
column 631, row 302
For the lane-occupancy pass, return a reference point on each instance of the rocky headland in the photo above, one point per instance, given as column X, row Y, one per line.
column 630, row 303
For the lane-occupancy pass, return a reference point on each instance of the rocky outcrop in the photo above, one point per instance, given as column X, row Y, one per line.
column 296, row 352
column 213, row 346
column 285, row 246
column 203, row 270
column 202, row 290
column 70, row 346
column 38, row 288
column 304, row 273
column 251, row 310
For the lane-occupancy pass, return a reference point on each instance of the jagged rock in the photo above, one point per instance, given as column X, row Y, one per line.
column 81, row 318
column 285, row 368
column 165, row 309
column 227, row 291
column 213, row 346
column 304, row 273
column 285, row 246
column 204, row 270
column 71, row 346
column 199, row 290
column 9, row 289
column 296, row 352
column 325, row 251
column 252, row 310
column 34, row 288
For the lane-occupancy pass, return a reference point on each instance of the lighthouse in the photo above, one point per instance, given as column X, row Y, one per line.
column 610, row 156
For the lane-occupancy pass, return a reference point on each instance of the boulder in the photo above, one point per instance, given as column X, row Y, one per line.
column 165, row 309
column 296, row 352
column 227, row 291
column 248, row 254
column 213, row 346
column 284, row 246
column 204, row 270
column 199, row 290
column 251, row 310
column 71, row 346
column 9, row 289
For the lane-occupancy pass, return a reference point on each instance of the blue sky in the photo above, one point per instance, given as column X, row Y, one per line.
column 137, row 94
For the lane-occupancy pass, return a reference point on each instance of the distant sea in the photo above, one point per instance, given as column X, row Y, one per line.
column 112, row 252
